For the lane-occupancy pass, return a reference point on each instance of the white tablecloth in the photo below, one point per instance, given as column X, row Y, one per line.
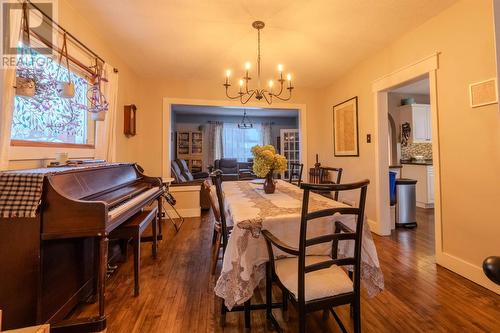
column 251, row 210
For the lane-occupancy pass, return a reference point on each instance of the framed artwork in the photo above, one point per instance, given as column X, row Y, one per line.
column 483, row 93
column 345, row 128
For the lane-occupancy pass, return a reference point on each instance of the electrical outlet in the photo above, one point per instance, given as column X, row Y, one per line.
column 368, row 138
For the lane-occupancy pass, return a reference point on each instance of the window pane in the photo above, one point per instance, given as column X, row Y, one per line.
column 238, row 142
column 50, row 118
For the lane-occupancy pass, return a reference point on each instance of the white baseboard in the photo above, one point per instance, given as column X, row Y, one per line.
column 466, row 269
column 186, row 212
column 425, row 205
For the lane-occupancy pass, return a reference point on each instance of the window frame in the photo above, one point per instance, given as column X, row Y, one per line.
column 28, row 149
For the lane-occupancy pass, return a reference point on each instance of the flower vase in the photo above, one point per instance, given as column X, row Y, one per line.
column 269, row 185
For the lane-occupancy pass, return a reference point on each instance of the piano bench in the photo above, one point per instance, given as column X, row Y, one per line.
column 133, row 228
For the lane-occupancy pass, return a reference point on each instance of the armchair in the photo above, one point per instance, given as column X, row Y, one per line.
column 184, row 177
column 229, row 168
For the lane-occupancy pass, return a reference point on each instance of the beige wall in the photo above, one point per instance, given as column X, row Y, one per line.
column 469, row 138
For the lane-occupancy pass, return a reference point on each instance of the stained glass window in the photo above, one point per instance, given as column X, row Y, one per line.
column 46, row 117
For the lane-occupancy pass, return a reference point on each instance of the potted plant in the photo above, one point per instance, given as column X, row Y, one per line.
column 266, row 162
column 98, row 104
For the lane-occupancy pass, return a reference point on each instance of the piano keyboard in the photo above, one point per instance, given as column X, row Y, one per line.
column 130, row 203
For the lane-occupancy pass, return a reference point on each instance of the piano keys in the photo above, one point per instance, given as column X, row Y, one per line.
column 51, row 262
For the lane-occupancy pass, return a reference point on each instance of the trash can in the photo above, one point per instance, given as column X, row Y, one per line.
column 406, row 206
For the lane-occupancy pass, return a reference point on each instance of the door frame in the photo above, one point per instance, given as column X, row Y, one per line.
column 426, row 67
column 167, row 123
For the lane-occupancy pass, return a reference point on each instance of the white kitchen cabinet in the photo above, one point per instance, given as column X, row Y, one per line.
column 419, row 118
column 424, row 175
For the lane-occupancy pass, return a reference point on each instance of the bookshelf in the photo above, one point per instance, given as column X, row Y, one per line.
column 190, row 149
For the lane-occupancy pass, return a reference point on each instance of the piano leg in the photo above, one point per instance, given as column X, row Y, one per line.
column 155, row 236
column 103, row 264
column 160, row 212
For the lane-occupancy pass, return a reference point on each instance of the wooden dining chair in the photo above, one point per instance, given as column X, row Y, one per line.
column 218, row 239
column 225, row 231
column 322, row 175
column 295, row 170
column 319, row 282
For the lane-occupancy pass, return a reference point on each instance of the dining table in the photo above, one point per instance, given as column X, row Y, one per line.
column 250, row 210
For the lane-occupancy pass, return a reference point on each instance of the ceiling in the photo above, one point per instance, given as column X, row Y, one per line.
column 315, row 40
column 420, row 87
column 233, row 111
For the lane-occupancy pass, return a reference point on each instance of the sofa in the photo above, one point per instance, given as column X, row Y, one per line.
column 233, row 170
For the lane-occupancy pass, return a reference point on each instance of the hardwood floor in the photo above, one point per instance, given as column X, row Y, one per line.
column 177, row 290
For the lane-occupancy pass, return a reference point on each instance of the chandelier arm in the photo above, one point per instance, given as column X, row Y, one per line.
column 249, row 97
column 285, row 99
column 281, row 88
column 265, row 97
column 230, row 97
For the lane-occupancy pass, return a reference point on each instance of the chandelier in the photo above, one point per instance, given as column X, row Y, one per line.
column 245, row 122
column 245, row 93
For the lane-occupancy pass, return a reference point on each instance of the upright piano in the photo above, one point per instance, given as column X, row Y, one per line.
column 56, row 259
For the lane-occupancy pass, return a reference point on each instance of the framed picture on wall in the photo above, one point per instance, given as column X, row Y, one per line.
column 345, row 128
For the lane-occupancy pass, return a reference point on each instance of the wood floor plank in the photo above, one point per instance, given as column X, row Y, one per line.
column 177, row 290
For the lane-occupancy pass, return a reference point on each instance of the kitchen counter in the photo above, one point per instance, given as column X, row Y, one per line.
column 415, row 162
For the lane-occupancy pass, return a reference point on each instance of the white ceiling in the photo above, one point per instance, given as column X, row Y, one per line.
column 315, row 40
column 420, row 87
column 233, row 111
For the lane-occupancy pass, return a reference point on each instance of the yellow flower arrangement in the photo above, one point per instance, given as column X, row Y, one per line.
column 266, row 160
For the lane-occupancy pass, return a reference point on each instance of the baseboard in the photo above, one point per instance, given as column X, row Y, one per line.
column 425, row 205
column 466, row 269
column 186, row 212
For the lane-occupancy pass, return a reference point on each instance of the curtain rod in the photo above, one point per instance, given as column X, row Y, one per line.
column 221, row 122
column 65, row 31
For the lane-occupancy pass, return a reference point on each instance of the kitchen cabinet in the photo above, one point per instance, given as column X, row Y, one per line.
column 419, row 118
column 424, row 175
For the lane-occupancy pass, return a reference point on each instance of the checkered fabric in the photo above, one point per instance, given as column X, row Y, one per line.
column 21, row 190
column 20, row 194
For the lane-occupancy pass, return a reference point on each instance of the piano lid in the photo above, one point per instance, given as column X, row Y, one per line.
column 21, row 190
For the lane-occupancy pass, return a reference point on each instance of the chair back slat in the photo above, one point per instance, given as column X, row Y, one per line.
column 332, row 211
column 330, row 238
column 328, row 263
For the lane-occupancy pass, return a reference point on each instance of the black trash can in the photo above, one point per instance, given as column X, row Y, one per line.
column 406, row 206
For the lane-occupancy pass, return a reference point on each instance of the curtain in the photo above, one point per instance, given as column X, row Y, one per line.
column 215, row 147
column 266, row 134
column 239, row 142
column 105, row 146
column 7, row 91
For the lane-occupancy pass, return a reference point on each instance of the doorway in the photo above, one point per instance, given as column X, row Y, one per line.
column 171, row 105
column 425, row 68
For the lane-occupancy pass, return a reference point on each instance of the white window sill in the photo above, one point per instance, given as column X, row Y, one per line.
column 18, row 153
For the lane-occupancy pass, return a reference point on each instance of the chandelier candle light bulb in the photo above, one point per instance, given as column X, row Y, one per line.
column 245, row 93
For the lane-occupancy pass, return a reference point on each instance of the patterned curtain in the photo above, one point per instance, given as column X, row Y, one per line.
column 7, row 82
column 214, row 136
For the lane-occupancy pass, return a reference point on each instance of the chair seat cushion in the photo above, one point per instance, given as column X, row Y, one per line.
column 318, row 284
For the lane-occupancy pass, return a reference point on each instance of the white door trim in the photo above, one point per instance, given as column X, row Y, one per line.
column 167, row 123
column 425, row 67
